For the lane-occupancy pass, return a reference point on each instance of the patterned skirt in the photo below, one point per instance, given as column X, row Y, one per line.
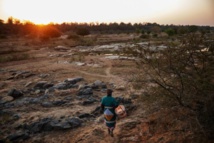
column 110, row 117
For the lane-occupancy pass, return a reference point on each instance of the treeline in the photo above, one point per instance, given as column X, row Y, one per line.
column 15, row 27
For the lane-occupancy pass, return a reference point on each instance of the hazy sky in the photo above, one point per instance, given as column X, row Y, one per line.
column 185, row 12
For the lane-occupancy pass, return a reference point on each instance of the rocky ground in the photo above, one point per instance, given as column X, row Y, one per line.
column 54, row 96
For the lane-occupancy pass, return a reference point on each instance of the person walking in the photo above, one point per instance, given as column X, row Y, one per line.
column 108, row 105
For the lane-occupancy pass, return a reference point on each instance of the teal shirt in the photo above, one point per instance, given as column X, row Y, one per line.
column 109, row 101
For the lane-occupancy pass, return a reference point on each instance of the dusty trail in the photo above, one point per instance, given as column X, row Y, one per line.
column 111, row 78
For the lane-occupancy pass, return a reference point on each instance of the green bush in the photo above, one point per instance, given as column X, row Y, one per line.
column 170, row 31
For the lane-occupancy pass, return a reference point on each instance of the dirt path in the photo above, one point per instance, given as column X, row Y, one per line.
column 111, row 78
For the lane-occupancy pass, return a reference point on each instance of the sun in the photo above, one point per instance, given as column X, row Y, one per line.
column 39, row 12
column 46, row 11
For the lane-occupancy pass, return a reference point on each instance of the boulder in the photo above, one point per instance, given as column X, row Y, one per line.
column 75, row 122
column 49, row 124
column 39, row 126
column 64, row 86
column 15, row 93
column 98, row 84
column 73, row 80
column 48, row 85
column 43, row 85
column 86, row 91
column 60, row 125
column 40, row 84
column 83, row 86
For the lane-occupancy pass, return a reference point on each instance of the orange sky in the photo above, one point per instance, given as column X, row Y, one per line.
column 185, row 12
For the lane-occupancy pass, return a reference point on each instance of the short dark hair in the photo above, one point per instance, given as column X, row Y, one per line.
column 109, row 91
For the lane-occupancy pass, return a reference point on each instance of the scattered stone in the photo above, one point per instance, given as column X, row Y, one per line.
column 39, row 126
column 68, row 98
column 15, row 93
column 40, row 84
column 58, row 103
column 6, row 99
column 83, row 86
column 28, row 75
column 20, row 74
column 61, row 48
column 37, row 91
column 62, row 117
column 28, row 84
column 130, row 108
column 89, row 101
column 10, row 78
column 79, row 63
column 86, row 115
column 64, row 37
column 47, row 104
column 85, row 91
column 60, row 125
column 2, row 85
column 97, row 111
column 75, row 122
column 121, row 87
column 100, row 119
column 61, row 86
column 48, row 85
column 123, row 100
column 44, row 75
column 98, row 84
column 49, row 124
column 18, row 136
column 64, row 86
column 16, row 116
column 73, row 80
column 134, row 96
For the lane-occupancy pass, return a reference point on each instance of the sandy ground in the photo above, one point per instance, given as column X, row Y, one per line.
column 138, row 126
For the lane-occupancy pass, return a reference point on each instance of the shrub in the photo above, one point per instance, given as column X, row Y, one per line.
column 170, row 31
column 82, row 31
column 183, row 73
column 47, row 32
column 144, row 36
column 73, row 37
column 13, row 57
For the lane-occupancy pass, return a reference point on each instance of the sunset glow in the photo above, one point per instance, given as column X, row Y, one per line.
column 198, row 12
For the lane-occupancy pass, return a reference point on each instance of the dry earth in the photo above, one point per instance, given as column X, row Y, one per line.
column 44, row 62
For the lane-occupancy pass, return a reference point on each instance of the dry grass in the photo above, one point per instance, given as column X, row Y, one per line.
column 123, row 67
column 14, row 57
column 158, row 121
